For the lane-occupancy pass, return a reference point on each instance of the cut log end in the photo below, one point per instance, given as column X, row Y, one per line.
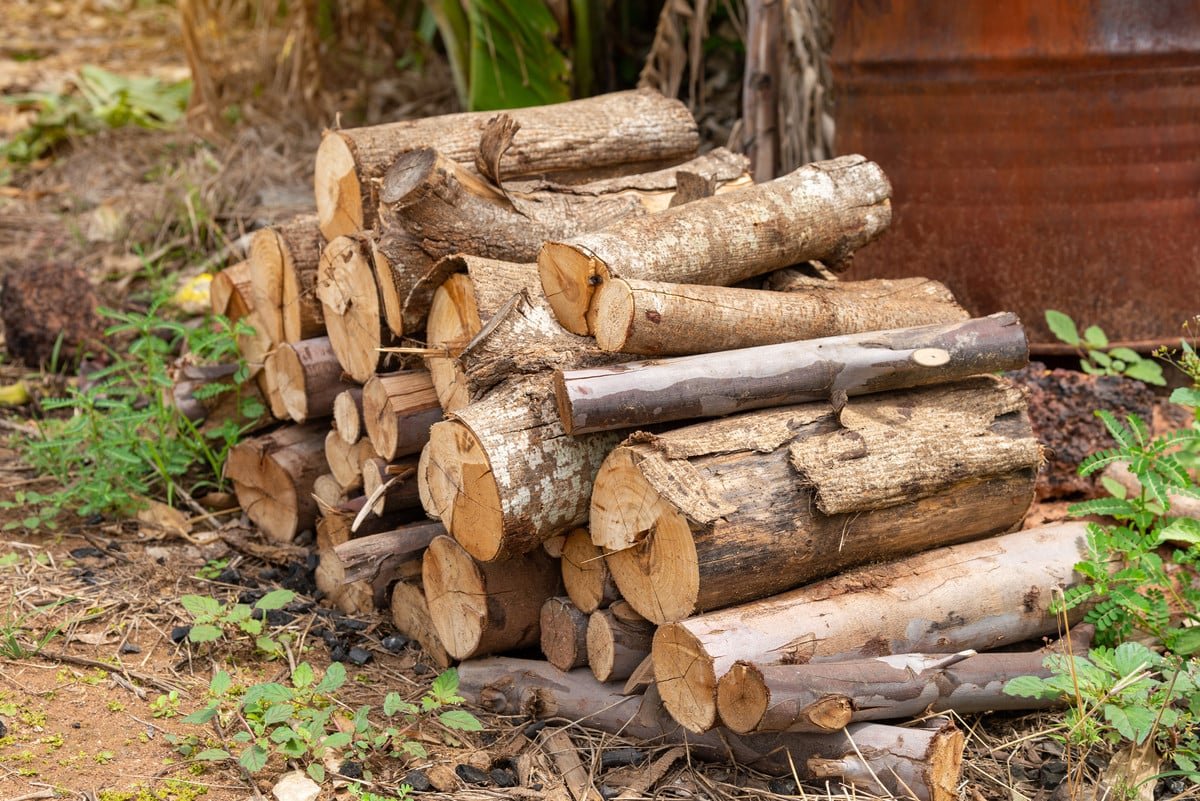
column 266, row 280
column 289, row 381
column 569, row 279
column 615, row 309
column 457, row 596
column 742, row 697
column 346, row 417
column 684, row 675
column 565, row 639
column 453, row 321
column 409, row 173
column 585, row 572
column 336, row 188
column 462, row 491
column 350, row 302
column 382, row 426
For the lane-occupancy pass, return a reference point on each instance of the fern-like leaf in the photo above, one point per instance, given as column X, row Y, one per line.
column 1100, row 460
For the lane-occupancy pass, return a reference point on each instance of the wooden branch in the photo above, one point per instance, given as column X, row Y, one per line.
column 564, row 634
column 273, row 477
column 366, row 558
column 399, row 409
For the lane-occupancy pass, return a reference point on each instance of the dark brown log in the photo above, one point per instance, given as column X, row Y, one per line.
column 618, row 640
column 564, row 634
column 586, row 579
column 399, row 409
column 308, row 377
column 823, row 211
column 410, row 616
column 273, row 476
column 367, row 558
column 638, row 394
column 930, row 602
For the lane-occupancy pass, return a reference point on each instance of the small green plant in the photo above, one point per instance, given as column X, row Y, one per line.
column 15, row 643
column 1093, row 356
column 165, row 705
column 212, row 568
column 212, row 620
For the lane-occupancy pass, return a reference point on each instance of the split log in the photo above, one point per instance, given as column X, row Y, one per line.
column 644, row 393
column 399, row 409
column 787, row 697
column 366, row 558
column 273, row 477
column 891, row 475
column 586, row 579
column 564, row 634
column 284, row 262
column 347, row 415
column 390, row 486
column 230, row 292
column 482, row 608
column 352, row 307
column 930, row 602
column 345, row 461
column 624, row 128
column 267, row 380
column 618, row 640
column 657, row 319
column 410, row 616
column 823, row 211
column 503, row 475
column 308, row 377
column 922, row 762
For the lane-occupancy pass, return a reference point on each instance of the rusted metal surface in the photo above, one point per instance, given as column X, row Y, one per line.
column 1043, row 153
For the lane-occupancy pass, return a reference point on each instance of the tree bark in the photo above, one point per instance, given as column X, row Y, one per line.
column 352, row 308
column 345, row 461
column 308, row 377
column 822, row 211
column 347, row 414
column 273, row 477
column 283, row 277
column 782, row 697
column 623, row 128
column 586, row 578
column 399, row 409
column 410, row 616
column 367, row 558
column 734, row 510
column 920, row 762
column 564, row 634
column 657, row 319
column 483, row 608
column 390, row 486
column 618, row 639
column 929, row 602
column 503, row 476
column 644, row 393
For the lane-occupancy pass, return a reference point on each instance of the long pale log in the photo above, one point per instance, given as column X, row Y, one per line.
column 410, row 616
column 390, row 486
column 644, row 393
column 366, row 558
column 656, row 319
column 273, row 477
column 398, row 410
column 564, row 634
column 930, row 602
column 784, row 697
column 623, row 128
column 345, row 461
column 352, row 307
column 586, row 578
column 347, row 415
column 921, row 762
column 503, row 476
column 890, row 475
column 284, row 262
column 618, row 639
column 482, row 608
column 308, row 377
column 823, row 211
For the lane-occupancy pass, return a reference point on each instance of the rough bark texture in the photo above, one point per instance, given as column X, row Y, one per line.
column 410, row 616
column 366, row 558
column 390, row 486
column 273, row 476
column 308, row 377
column 49, row 312
column 399, row 409
column 352, row 308
column 920, row 762
column 822, row 211
column 623, row 128
column 707, row 385
column 657, row 319
column 564, row 634
column 618, row 639
column 483, row 608
column 930, row 602
column 586, row 579
column 686, row 534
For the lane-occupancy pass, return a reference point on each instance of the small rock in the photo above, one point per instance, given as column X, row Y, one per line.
column 180, row 633
column 94, row 520
column 421, row 669
column 418, row 781
column 394, row 642
column 1170, row 787
column 350, row 624
column 351, row 769
column 784, row 785
column 534, row 729
column 503, row 777
column 1052, row 773
column 296, row 786
column 278, row 617
column 617, row 757
column 481, row 760
column 270, row 574
column 607, row 791
column 359, row 656
column 250, row 597
column 472, row 775
column 87, row 552
column 230, row 575
column 443, row 778
column 76, row 725
column 129, row 648
column 337, row 654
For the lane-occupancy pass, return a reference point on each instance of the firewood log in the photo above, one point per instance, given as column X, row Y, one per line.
column 345, row 461
column 410, row 616
column 618, row 639
column 273, row 477
column 283, row 277
column 230, row 292
column 366, row 558
column 398, row 410
column 352, row 307
column 586, row 579
column 390, row 486
column 308, row 378
column 347, row 414
column 563, row 634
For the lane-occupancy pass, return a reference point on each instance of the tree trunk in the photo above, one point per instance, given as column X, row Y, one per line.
column 503, row 476
column 618, row 639
column 308, row 377
column 782, row 697
column 483, row 608
column 929, row 602
column 390, row 486
column 352, row 307
column 399, row 409
column 822, row 211
column 656, row 319
column 564, row 634
column 919, row 762
column 734, row 510
column 367, row 558
column 345, row 461
column 273, row 476
column 586, row 579
column 283, row 276
column 347, row 414
column 644, row 393
column 624, row 128
column 410, row 616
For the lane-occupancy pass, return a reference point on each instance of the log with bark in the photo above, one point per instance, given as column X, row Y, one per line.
column 345, row 461
column 352, row 307
column 564, row 637
column 283, row 278
column 644, row 393
column 398, row 410
column 366, row 558
column 890, row 475
column 618, row 640
column 481, row 608
column 657, row 319
column 230, row 293
column 347, row 415
column 823, row 211
column 410, row 616
column 193, row 392
column 307, row 377
column 930, row 602
column 924, row 762
column 586, row 579
column 620, row 129
column 328, row 492
column 273, row 477
column 787, row 697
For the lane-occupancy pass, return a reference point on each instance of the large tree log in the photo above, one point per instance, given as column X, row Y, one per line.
column 618, row 639
column 273, row 477
column 503, row 476
column 784, row 697
column 351, row 304
column 737, row 509
column 624, row 128
column 586, row 579
column 657, row 319
column 920, row 762
column 930, row 602
column 483, row 608
column 367, row 558
column 399, row 409
column 410, row 616
column 308, row 377
column 564, row 634
column 283, row 277
column 823, row 211
column 708, row 385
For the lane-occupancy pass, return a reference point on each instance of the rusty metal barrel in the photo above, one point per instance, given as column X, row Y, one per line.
column 1043, row 154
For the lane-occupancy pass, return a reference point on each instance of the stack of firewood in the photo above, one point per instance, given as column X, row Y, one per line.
column 495, row 338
